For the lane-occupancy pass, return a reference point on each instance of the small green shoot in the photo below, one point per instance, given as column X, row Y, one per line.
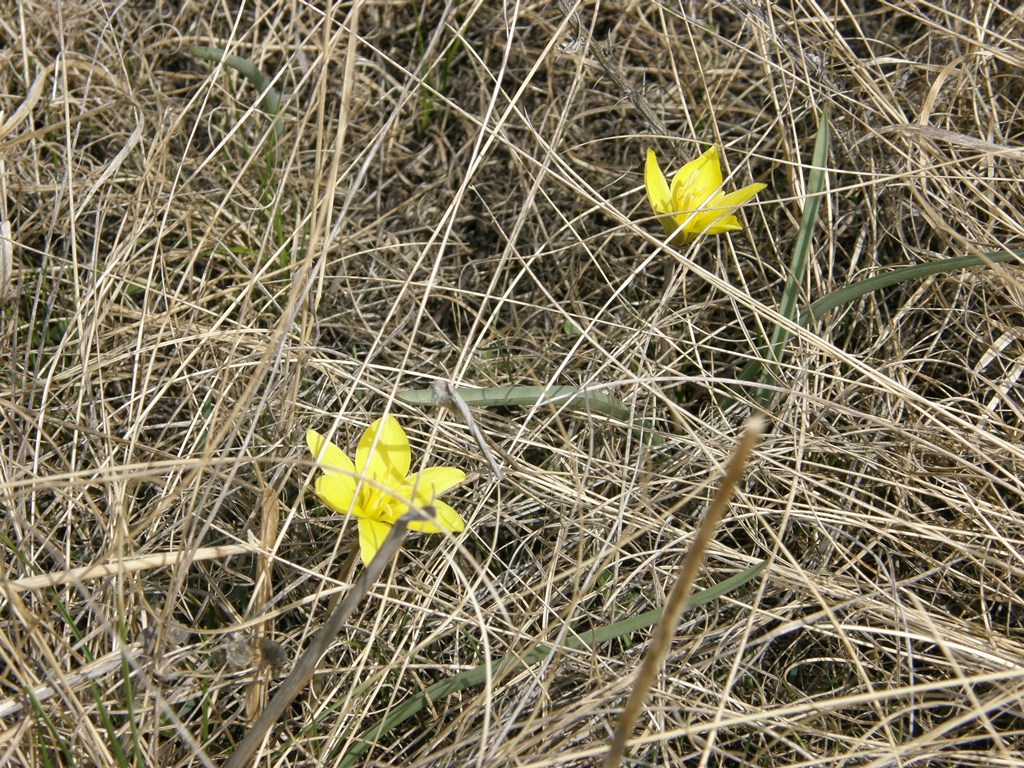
column 270, row 102
column 270, row 99
column 433, row 79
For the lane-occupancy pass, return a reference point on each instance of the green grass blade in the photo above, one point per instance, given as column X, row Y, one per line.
column 512, row 663
column 572, row 397
column 44, row 723
column 798, row 263
column 133, row 721
column 854, row 291
column 271, row 102
column 120, row 758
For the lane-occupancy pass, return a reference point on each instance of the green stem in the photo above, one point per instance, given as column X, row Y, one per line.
column 271, row 101
column 798, row 262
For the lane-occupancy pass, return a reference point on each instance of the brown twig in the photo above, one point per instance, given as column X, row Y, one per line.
column 264, row 590
column 344, row 574
column 445, row 395
column 306, row 665
column 680, row 591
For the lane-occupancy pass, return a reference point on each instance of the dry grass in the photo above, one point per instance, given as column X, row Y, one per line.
column 458, row 193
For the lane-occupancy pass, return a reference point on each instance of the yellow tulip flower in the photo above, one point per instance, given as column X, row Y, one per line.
column 694, row 204
column 377, row 489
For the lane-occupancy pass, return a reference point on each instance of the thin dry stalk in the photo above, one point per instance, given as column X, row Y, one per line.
column 666, row 629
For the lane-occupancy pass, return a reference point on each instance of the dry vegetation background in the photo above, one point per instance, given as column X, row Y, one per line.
column 456, row 192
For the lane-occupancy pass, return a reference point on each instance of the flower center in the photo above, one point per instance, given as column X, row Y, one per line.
column 376, row 504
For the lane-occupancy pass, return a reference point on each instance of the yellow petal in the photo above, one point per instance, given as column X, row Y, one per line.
column 329, row 457
column 423, row 488
column 657, row 188
column 717, row 217
column 740, row 196
column 427, row 484
column 388, row 464
column 714, row 223
column 337, row 492
column 371, row 538
column 446, row 518
column 696, row 181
